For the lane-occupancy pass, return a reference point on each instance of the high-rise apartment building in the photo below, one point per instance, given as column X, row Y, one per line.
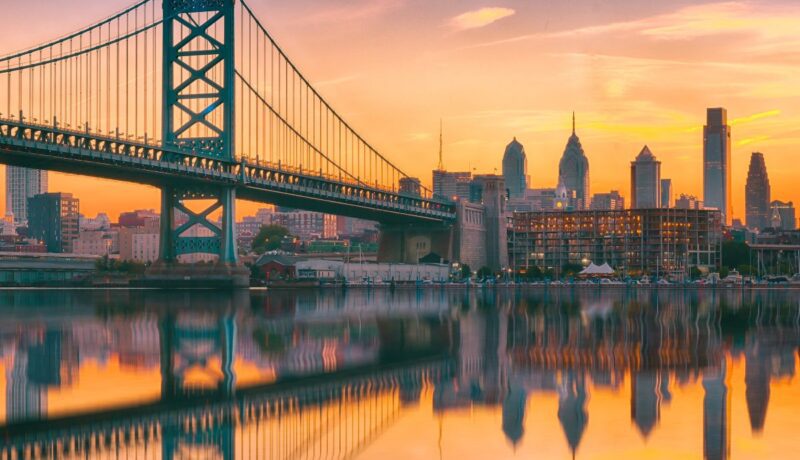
column 717, row 163
column 757, row 194
column 53, row 218
column 21, row 184
column 645, row 181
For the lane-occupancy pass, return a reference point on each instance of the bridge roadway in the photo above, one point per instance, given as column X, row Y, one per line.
column 211, row 421
column 57, row 149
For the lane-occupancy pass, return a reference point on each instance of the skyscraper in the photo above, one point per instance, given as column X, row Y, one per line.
column 21, row 184
column 54, row 220
column 757, row 194
column 573, row 170
column 515, row 168
column 645, row 181
column 666, row 193
column 717, row 163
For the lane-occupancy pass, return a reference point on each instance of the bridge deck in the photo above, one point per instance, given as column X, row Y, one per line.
column 57, row 149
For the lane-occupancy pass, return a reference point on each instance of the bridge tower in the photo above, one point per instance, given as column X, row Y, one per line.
column 198, row 115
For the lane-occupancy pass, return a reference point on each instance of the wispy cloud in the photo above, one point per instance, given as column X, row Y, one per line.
column 772, row 24
column 696, row 21
column 754, row 117
column 752, row 140
column 480, row 18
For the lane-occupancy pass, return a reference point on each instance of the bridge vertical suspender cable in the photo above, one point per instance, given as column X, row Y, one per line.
column 283, row 130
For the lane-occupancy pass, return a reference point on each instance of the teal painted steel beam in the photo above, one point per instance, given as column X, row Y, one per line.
column 199, row 131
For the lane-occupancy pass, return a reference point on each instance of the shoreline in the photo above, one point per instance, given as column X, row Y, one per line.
column 411, row 286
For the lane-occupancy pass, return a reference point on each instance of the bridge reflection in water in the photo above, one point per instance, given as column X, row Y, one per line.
column 313, row 374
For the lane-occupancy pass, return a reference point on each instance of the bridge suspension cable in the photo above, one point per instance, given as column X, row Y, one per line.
column 107, row 80
column 103, row 79
column 282, row 119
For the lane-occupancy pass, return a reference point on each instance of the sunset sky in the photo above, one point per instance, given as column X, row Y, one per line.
column 635, row 72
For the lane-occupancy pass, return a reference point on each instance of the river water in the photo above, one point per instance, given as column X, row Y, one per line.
column 405, row 374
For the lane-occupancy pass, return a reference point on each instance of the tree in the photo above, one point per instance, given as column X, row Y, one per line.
column 570, row 269
column 695, row 273
column 104, row 264
column 466, row 271
column 485, row 272
column 534, row 273
column 735, row 253
column 269, row 238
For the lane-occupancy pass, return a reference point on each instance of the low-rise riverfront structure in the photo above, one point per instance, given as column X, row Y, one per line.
column 42, row 269
column 635, row 241
column 368, row 273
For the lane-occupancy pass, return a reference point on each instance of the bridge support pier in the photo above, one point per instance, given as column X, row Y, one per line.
column 185, row 230
column 410, row 243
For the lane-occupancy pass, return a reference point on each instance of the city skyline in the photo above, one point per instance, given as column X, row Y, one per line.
column 618, row 112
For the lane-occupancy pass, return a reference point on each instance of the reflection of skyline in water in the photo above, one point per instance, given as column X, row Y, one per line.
column 489, row 351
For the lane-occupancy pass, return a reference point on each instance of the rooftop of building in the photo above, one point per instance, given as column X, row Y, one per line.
column 646, row 155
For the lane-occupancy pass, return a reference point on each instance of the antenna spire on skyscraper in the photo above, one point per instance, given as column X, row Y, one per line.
column 441, row 161
column 573, row 122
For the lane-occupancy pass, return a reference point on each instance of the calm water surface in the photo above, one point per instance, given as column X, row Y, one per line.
column 427, row 374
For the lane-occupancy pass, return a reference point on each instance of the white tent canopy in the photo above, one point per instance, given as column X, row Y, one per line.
column 597, row 270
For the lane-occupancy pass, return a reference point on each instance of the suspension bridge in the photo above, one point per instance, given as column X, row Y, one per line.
column 196, row 98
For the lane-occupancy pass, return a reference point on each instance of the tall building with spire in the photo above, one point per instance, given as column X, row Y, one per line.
column 717, row 163
column 515, row 167
column 757, row 194
column 573, row 170
column 21, row 184
column 450, row 185
column 645, row 181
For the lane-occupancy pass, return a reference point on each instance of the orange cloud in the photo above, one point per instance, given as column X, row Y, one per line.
column 754, row 117
column 480, row 18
